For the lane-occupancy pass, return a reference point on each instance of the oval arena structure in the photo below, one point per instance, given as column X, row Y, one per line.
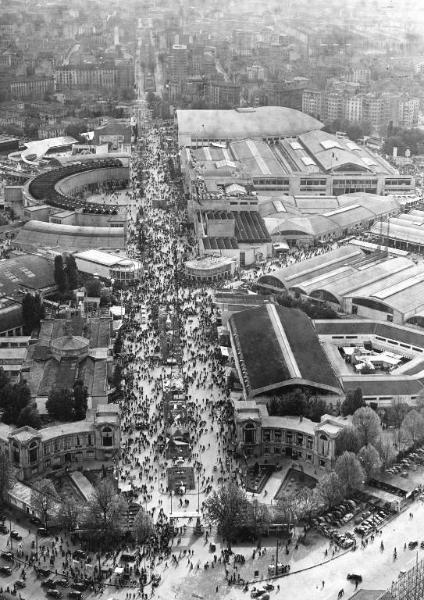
column 85, row 224
column 60, row 187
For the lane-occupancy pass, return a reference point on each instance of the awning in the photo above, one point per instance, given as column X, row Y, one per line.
column 281, row 246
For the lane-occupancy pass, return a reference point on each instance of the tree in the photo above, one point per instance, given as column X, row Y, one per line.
column 350, row 472
column 367, row 424
column 347, row 440
column 352, row 402
column 70, row 513
column 61, row 404
column 330, row 489
column 60, row 274
column 30, row 416
column 227, row 507
column 14, row 398
column 258, row 518
column 309, row 502
column 45, row 499
column 93, row 287
column 386, row 451
column 71, row 272
column 143, row 527
column 412, row 428
column 104, row 509
column 6, row 475
column 288, row 508
column 80, row 400
column 32, row 312
column 75, row 129
column 370, row 461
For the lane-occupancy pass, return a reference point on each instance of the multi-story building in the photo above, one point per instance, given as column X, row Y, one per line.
column 359, row 75
column 312, row 103
column 261, row 435
column 178, row 63
column 224, row 94
column 353, row 108
column 408, row 112
column 255, row 73
column 333, row 106
column 286, row 93
column 35, row 87
column 68, row 445
column 88, row 76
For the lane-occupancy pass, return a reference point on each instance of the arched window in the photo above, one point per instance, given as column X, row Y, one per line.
column 107, row 436
column 324, row 445
column 33, row 452
column 249, row 433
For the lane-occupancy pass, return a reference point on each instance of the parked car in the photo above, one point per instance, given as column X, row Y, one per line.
column 7, row 556
column 412, row 545
column 49, row 583
column 15, row 535
column 79, row 555
column 20, row 584
column 3, row 529
column 54, row 593
column 269, row 587
column 75, row 594
column 79, row 586
column 43, row 572
column 5, row 570
column 42, row 532
column 257, row 592
column 60, row 583
column 35, row 520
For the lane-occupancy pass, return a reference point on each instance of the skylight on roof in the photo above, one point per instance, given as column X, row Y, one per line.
column 352, row 146
column 328, row 144
column 369, row 161
column 295, row 145
column 307, row 160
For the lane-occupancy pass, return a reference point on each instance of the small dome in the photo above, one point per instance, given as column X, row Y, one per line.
column 70, row 347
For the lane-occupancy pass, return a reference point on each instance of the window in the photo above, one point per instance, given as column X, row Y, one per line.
column 56, row 446
column 277, row 450
column 299, row 439
column 89, row 440
column 266, row 450
column 309, row 443
column 47, row 449
column 107, row 436
column 266, row 435
column 33, row 452
column 277, row 436
column 16, row 454
column 78, row 441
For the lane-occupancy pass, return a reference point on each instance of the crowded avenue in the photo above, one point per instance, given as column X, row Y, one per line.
column 182, row 557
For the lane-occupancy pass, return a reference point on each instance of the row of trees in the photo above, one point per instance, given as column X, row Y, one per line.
column 68, row 404
column 313, row 310
column 297, row 403
column 101, row 518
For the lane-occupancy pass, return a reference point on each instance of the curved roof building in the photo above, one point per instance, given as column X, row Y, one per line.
column 277, row 347
column 237, row 124
column 35, row 234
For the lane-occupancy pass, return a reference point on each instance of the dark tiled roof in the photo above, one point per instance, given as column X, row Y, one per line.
column 220, row 215
column 29, row 271
column 266, row 363
column 371, row 386
column 220, row 243
column 250, row 227
column 11, row 317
